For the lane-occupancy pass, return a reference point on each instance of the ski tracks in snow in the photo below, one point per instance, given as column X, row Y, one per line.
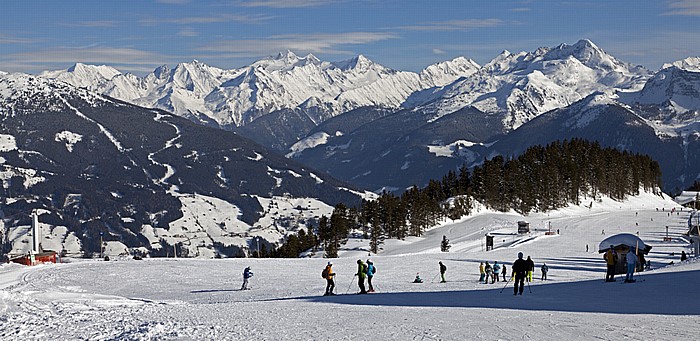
column 170, row 170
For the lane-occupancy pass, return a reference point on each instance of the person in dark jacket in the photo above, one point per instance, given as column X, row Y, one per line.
column 443, row 268
column 247, row 273
column 519, row 270
column 530, row 268
column 544, row 270
column 505, row 272
column 684, row 257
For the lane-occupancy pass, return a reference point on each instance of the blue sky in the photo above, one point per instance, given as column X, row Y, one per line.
column 139, row 35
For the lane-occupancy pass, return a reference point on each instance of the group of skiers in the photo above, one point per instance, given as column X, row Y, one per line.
column 492, row 272
column 522, row 270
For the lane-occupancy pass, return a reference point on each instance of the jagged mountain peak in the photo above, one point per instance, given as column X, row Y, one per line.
column 105, row 71
column 162, row 71
column 93, row 77
column 359, row 63
column 288, row 56
column 689, row 64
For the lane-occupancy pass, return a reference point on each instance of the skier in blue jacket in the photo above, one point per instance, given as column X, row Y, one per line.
column 370, row 273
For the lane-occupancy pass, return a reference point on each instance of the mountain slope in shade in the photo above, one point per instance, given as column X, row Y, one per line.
column 145, row 178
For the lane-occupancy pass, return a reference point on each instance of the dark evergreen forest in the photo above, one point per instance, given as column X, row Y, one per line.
column 543, row 178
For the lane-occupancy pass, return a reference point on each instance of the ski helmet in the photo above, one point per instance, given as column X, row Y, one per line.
column 520, row 255
column 329, row 263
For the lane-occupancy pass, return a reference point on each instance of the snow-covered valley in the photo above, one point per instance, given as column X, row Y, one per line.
column 199, row 299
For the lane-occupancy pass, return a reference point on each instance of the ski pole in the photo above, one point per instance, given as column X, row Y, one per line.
column 528, row 287
column 353, row 279
column 433, row 280
column 505, row 285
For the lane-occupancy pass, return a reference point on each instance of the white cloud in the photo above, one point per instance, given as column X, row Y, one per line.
column 439, row 51
column 173, row 2
column 306, row 43
column 683, row 7
column 207, row 19
column 285, row 3
column 188, row 32
column 454, row 25
column 520, row 9
column 125, row 59
column 14, row 40
column 96, row 23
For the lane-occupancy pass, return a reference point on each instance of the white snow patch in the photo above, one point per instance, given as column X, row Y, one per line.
column 69, row 138
column 311, row 141
column 7, row 143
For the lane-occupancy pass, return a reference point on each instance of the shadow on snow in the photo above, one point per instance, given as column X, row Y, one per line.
column 651, row 294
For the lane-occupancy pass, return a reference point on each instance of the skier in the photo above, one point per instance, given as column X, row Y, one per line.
column 443, row 268
column 544, row 270
column 683, row 256
column 330, row 283
column 496, row 272
column 482, row 272
column 418, row 279
column 631, row 264
column 247, row 273
column 505, row 272
column 519, row 271
column 610, row 259
column 530, row 268
column 370, row 273
column 489, row 273
column 361, row 273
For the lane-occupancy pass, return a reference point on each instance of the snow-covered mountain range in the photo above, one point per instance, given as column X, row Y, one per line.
column 382, row 128
column 511, row 104
column 238, row 96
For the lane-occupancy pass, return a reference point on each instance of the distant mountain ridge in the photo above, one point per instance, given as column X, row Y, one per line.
column 236, row 97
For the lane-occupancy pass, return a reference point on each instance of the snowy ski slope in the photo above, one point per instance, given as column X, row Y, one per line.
column 185, row 299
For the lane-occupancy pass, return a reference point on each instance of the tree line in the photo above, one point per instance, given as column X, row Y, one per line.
column 543, row 178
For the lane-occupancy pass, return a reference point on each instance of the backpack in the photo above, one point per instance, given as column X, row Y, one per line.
column 364, row 268
column 374, row 270
column 324, row 273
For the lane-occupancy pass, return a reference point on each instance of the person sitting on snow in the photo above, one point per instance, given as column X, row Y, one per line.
column 418, row 279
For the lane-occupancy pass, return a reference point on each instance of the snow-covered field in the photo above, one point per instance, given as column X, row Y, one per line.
column 199, row 299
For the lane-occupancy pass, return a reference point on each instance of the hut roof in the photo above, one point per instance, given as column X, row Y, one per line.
column 626, row 239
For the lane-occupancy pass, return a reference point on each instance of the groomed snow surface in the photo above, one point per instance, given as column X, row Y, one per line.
column 157, row 299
